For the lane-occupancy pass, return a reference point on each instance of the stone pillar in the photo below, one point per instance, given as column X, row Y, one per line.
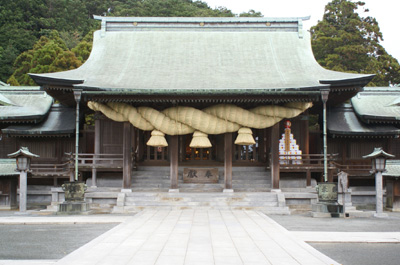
column 275, row 174
column 23, row 191
column 127, row 154
column 379, row 194
column 228, row 163
column 173, row 148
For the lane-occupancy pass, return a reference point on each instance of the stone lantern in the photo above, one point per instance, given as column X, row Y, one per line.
column 23, row 157
column 378, row 158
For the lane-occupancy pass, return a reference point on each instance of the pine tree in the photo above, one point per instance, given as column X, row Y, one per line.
column 49, row 54
column 345, row 41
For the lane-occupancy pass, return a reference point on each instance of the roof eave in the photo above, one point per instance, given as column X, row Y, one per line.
column 46, row 80
column 357, row 81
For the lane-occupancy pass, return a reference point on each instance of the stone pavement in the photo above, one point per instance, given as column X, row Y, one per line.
column 211, row 237
column 348, row 237
column 197, row 237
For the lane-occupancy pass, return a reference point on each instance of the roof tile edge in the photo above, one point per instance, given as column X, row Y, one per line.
column 201, row 19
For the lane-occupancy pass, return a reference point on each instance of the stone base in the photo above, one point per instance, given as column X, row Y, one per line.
column 173, row 190
column 70, row 208
column 381, row 215
column 327, row 210
column 227, row 190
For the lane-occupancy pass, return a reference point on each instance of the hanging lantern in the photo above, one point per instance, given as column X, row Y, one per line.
column 157, row 139
column 245, row 137
column 200, row 140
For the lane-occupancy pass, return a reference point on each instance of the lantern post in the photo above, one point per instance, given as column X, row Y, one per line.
column 378, row 158
column 23, row 157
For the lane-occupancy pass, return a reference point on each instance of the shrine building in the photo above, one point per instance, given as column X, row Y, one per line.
column 201, row 105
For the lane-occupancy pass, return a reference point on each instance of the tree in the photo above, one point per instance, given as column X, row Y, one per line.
column 49, row 54
column 345, row 41
column 30, row 23
column 251, row 13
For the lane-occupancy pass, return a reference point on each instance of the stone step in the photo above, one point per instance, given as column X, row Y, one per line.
column 220, row 169
column 244, row 181
column 201, row 203
column 266, row 210
column 175, row 199
column 262, row 201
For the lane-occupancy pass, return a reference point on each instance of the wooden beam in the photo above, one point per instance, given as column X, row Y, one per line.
column 275, row 174
column 228, row 161
column 127, row 154
column 173, row 147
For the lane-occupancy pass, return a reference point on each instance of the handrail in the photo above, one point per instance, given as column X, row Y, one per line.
column 306, row 159
column 352, row 167
column 47, row 169
column 96, row 160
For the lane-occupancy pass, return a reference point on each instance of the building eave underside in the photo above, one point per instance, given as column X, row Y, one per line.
column 339, row 134
column 188, row 98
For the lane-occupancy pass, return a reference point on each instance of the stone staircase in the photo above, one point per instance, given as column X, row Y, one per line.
column 267, row 202
column 244, row 179
column 150, row 190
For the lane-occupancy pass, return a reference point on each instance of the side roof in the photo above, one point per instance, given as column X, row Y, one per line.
column 59, row 122
column 342, row 121
column 23, row 104
column 197, row 54
column 378, row 105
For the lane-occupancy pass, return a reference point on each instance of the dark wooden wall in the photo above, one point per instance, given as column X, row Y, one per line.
column 111, row 137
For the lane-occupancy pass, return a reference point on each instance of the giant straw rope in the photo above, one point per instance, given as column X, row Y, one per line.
column 217, row 119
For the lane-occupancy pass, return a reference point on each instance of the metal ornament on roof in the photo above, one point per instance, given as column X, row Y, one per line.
column 378, row 151
column 23, row 151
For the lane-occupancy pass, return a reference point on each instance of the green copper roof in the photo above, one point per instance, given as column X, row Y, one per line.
column 233, row 54
column 8, row 167
column 392, row 168
column 378, row 104
column 343, row 122
column 23, row 105
column 60, row 121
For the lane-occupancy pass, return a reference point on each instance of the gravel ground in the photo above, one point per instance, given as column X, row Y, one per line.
column 350, row 253
column 50, row 241
column 361, row 254
column 307, row 223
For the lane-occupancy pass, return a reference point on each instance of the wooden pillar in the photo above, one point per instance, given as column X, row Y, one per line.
column 134, row 148
column 228, row 161
column 308, row 177
column 306, row 134
column 96, row 149
column 275, row 174
column 306, row 144
column 127, row 154
column 173, row 147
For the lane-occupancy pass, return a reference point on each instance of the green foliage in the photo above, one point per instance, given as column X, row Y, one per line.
column 49, row 54
column 251, row 13
column 24, row 22
column 166, row 8
column 82, row 50
column 345, row 41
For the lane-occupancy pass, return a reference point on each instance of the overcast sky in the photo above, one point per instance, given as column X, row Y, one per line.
column 386, row 13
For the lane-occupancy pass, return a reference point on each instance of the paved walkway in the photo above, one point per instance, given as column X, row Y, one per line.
column 348, row 237
column 197, row 237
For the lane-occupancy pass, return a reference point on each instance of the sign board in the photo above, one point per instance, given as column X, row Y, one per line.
column 200, row 175
column 327, row 192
